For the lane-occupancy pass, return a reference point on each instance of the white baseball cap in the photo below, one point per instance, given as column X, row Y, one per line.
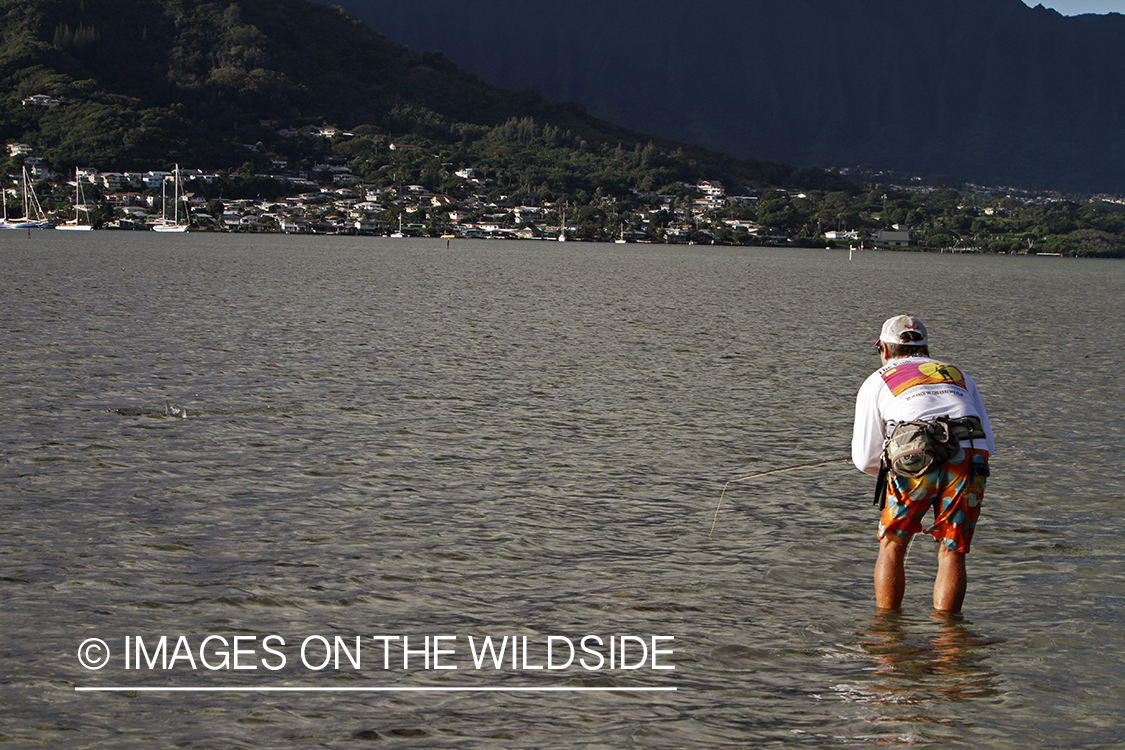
column 894, row 328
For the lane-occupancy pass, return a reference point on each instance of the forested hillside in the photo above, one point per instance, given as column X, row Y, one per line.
column 145, row 83
column 987, row 91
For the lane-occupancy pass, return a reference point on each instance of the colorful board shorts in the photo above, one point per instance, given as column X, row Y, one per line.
column 952, row 490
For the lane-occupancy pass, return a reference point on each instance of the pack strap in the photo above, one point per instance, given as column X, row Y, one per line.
column 964, row 428
column 881, row 486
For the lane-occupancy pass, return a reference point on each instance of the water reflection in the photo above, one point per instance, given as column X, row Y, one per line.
column 920, row 668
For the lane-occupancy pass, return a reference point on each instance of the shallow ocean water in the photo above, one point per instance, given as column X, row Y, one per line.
column 395, row 438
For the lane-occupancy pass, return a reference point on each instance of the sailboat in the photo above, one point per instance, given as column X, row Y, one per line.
column 75, row 224
column 399, row 232
column 562, row 225
column 164, row 225
column 29, row 202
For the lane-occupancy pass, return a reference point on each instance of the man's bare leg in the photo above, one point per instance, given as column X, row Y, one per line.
column 949, row 585
column 890, row 572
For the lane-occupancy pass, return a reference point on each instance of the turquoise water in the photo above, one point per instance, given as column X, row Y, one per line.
column 526, row 440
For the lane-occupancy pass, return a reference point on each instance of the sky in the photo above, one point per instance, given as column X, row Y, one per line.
column 1078, row 7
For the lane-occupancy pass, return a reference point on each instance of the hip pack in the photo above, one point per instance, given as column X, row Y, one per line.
column 915, row 448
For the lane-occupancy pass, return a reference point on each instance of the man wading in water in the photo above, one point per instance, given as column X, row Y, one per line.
column 921, row 427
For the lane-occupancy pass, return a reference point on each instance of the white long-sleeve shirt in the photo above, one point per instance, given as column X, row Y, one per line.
column 906, row 390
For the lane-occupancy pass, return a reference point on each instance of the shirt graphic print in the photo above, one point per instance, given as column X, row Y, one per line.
column 906, row 375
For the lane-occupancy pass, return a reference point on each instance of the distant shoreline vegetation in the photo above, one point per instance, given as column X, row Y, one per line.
column 250, row 95
column 371, row 186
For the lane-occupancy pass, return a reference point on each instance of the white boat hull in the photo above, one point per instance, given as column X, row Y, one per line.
column 23, row 225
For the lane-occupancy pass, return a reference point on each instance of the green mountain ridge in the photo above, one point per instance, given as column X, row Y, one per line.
column 988, row 91
column 144, row 83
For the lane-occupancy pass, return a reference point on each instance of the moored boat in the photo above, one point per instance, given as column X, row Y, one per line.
column 165, row 225
column 75, row 224
column 30, row 205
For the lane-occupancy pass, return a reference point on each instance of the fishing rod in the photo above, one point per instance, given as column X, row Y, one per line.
column 766, row 474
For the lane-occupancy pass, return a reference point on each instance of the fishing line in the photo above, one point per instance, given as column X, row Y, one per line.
column 766, row 474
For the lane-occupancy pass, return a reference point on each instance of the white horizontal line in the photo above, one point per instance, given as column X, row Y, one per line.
column 290, row 689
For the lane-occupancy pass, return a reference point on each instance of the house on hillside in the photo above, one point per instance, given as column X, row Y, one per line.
column 154, row 179
column 322, row 131
column 41, row 100
column 711, row 189
column 370, row 226
column 37, row 168
column 898, row 235
column 744, row 225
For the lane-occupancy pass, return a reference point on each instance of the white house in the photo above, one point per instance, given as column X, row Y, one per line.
column 713, row 189
column 744, row 224
column 154, row 179
column 40, row 100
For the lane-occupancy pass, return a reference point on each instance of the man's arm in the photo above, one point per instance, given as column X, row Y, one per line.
column 868, row 430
